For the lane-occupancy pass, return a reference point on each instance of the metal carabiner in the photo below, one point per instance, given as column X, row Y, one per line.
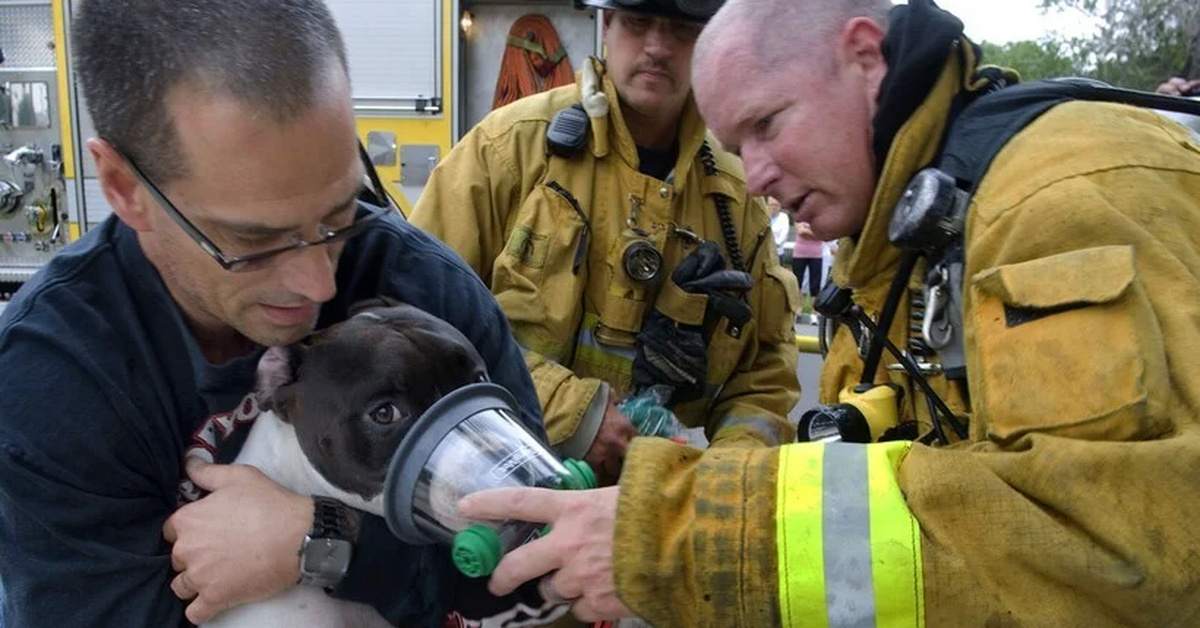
column 683, row 233
column 935, row 326
column 631, row 221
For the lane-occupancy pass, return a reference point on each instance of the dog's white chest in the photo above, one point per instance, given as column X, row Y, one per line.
column 300, row 606
column 272, row 447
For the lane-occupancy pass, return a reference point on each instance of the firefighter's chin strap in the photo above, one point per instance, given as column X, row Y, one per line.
column 879, row 341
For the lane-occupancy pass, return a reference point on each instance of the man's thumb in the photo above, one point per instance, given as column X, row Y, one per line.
column 206, row 475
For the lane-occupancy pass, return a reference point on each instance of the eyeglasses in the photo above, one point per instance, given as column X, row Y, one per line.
column 375, row 198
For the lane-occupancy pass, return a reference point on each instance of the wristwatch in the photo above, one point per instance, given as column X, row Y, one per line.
column 328, row 546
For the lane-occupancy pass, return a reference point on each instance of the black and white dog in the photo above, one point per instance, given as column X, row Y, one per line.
column 340, row 402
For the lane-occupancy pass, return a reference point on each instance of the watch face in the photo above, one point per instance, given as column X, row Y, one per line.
column 325, row 558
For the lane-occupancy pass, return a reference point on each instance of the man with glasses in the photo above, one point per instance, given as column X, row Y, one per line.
column 621, row 243
column 227, row 151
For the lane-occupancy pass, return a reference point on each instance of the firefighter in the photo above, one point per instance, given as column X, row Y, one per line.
column 1069, row 500
column 619, row 239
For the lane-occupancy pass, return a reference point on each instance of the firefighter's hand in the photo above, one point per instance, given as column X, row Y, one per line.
column 238, row 544
column 1179, row 87
column 579, row 547
column 607, row 452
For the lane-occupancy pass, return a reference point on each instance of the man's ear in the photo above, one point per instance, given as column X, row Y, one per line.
column 861, row 46
column 121, row 188
column 276, row 373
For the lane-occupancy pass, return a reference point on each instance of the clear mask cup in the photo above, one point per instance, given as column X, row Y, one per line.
column 470, row 440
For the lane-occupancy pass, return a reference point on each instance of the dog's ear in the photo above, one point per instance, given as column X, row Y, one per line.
column 369, row 304
column 455, row 360
column 276, row 372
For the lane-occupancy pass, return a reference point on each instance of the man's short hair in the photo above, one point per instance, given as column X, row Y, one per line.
column 268, row 54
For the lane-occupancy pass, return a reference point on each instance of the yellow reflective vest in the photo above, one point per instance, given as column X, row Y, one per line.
column 547, row 233
column 1074, row 501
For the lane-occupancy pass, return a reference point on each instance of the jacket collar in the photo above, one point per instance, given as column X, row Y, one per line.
column 692, row 134
column 864, row 262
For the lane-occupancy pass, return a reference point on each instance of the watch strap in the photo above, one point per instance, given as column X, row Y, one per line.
column 330, row 520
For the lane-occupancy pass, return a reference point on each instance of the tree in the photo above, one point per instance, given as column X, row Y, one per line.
column 1140, row 43
column 1033, row 59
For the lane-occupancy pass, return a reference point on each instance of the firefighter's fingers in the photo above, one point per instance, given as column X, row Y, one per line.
column 538, row 505
column 536, row 558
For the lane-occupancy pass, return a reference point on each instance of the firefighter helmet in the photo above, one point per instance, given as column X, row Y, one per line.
column 695, row 10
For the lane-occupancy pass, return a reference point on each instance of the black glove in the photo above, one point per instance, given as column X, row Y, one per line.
column 674, row 353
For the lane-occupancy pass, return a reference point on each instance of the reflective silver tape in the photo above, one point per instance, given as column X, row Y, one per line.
column 846, row 537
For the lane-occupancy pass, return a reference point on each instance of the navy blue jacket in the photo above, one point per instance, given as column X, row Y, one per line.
column 103, row 388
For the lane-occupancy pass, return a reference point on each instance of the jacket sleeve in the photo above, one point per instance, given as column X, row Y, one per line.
column 800, row 535
column 1074, row 503
column 752, row 407
column 468, row 203
column 81, row 503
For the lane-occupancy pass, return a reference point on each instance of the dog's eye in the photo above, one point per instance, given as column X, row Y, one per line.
column 385, row 413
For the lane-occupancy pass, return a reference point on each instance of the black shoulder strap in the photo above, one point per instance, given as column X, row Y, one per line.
column 978, row 133
column 982, row 129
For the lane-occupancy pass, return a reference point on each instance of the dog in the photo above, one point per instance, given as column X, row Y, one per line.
column 339, row 404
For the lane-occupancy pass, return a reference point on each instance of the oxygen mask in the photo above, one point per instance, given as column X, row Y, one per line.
column 470, row 440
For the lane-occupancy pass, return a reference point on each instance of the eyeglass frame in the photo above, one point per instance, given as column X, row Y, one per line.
column 242, row 263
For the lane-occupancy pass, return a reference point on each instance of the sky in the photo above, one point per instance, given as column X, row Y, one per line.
column 1015, row 20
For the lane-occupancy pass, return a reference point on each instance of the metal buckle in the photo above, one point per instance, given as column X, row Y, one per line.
column 935, row 326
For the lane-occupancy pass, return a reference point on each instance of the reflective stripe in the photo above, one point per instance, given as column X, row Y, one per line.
column 590, row 349
column 849, row 550
column 847, row 537
column 529, row 343
column 895, row 540
column 798, row 511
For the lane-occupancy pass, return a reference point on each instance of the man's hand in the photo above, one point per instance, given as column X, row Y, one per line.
column 1180, row 87
column 579, row 547
column 240, row 543
column 607, row 452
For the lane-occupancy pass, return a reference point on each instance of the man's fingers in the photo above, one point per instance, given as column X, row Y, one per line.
column 584, row 611
column 536, row 505
column 201, row 611
column 177, row 563
column 211, row 477
column 591, row 611
column 525, row 563
column 170, row 534
column 182, row 588
column 564, row 585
